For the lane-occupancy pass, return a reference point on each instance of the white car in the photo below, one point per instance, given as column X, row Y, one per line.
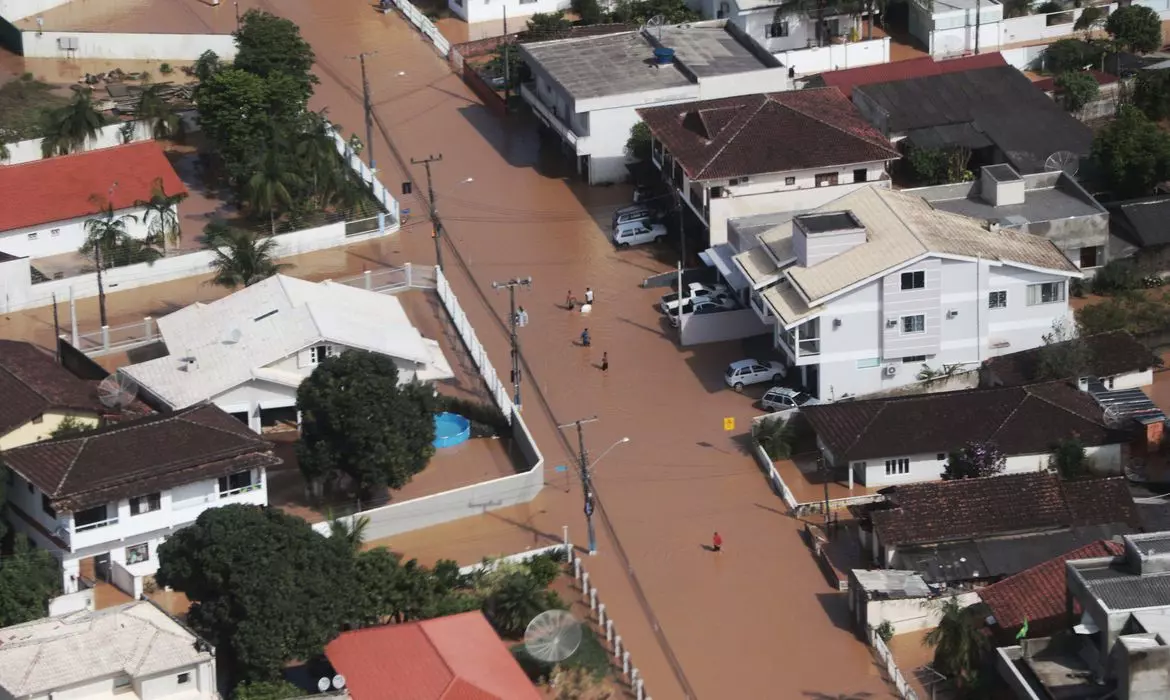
column 744, row 372
column 637, row 232
column 781, row 398
column 705, row 305
column 694, row 292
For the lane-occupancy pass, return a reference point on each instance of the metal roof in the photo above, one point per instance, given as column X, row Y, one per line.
column 1125, row 403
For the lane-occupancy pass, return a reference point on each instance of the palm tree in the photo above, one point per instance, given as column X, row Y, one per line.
column 513, row 605
column 105, row 234
column 958, row 641
column 162, row 215
column 317, row 155
column 241, row 257
column 270, row 188
column 68, row 128
column 353, row 533
column 158, row 114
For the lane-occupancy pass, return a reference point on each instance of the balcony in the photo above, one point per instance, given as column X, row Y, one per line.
column 93, row 526
column 547, row 116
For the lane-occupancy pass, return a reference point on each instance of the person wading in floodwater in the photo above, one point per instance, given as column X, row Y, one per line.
column 585, row 338
column 589, row 296
column 570, row 300
column 605, row 362
column 716, row 543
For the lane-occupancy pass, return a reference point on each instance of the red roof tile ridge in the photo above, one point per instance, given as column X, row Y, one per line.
column 247, row 434
column 1028, row 389
column 68, row 470
column 744, row 121
column 872, row 137
column 455, row 677
column 1008, row 418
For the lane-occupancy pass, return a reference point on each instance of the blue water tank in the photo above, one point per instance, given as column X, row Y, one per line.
column 664, row 56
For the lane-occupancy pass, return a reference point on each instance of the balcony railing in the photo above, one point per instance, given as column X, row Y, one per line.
column 93, row 526
column 243, row 489
column 809, row 347
column 528, row 92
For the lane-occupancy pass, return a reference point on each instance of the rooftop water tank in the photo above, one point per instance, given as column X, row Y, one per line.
column 663, row 56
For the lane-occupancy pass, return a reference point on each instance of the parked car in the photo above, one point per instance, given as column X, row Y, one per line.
column 634, row 213
column 781, row 398
column 704, row 305
column 637, row 233
column 693, row 292
column 742, row 373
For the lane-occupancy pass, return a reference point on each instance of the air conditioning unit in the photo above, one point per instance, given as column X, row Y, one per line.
column 890, row 370
column 67, row 43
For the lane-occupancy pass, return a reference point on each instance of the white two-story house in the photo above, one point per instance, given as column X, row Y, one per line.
column 765, row 153
column 104, row 500
column 249, row 352
column 866, row 290
column 780, row 26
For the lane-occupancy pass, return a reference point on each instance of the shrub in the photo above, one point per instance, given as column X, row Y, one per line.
column 514, row 603
column 776, row 436
column 544, row 569
column 1049, row 7
column 486, row 419
column 1116, row 276
column 1076, row 89
column 166, row 69
column 1071, row 55
column 884, row 631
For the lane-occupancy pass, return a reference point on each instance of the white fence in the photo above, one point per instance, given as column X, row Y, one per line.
column 769, row 468
column 892, row 670
column 106, row 137
column 527, row 554
column 125, row 581
column 836, row 56
column 474, row 347
column 389, row 203
column 425, row 25
column 125, row 46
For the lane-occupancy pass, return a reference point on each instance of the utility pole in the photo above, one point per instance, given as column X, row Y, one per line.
column 586, row 477
column 237, row 14
column 514, row 321
column 438, row 225
column 507, row 66
column 361, row 58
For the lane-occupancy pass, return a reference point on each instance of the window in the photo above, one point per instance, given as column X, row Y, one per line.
column 860, row 175
column 914, row 280
column 138, row 553
column 826, row 179
column 47, row 506
column 911, row 359
column 235, row 483
column 318, row 353
column 1093, row 256
column 789, row 181
column 738, row 181
column 32, row 236
column 869, row 362
column 776, row 30
column 1045, row 293
column 39, row 419
column 897, row 466
column 183, row 678
column 941, row 457
column 91, row 518
column 997, row 300
column 914, row 324
column 53, row 233
column 145, row 504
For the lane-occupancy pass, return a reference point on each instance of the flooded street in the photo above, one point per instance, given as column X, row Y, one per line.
column 757, row 621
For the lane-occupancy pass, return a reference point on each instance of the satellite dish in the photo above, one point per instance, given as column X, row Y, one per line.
column 338, row 682
column 552, row 636
column 655, row 23
column 117, row 391
column 1064, row 161
column 323, row 684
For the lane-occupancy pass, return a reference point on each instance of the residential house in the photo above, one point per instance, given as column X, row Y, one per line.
column 1049, row 204
column 248, row 352
column 113, row 495
column 956, row 27
column 39, row 394
column 1036, row 597
column 445, row 658
column 905, row 599
column 1141, row 224
column 1118, row 359
column 49, row 219
column 1119, row 644
column 908, row 439
column 780, row 27
column 960, row 524
column 995, row 113
column 764, row 153
column 500, row 11
column 133, row 650
column 865, row 290
column 847, row 79
column 587, row 89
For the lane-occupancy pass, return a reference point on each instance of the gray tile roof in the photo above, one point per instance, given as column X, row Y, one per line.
column 1047, row 197
column 1121, row 589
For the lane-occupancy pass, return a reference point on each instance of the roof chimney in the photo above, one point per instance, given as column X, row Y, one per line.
column 820, row 236
column 1001, row 186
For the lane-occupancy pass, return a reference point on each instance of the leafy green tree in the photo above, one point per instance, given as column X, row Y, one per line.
column 207, row 65
column 1076, row 89
column 241, row 257
column 776, row 436
column 266, row 588
column 29, row 579
column 160, row 117
column 938, row 166
column 352, row 532
column 638, row 145
column 510, row 608
column 68, row 128
column 1135, row 28
column 267, row 690
column 1131, row 311
column 1064, row 354
column 589, row 11
column 1132, row 154
column 1092, row 18
column 1071, row 55
column 268, row 45
column 1069, row 459
column 4, row 154
column 1118, row 275
column 105, row 234
column 392, row 591
column 272, row 184
column 549, row 25
column 1151, row 93
column 68, row 427
column 958, row 642
column 358, row 421
column 161, row 215
column 975, row 460
column 638, row 11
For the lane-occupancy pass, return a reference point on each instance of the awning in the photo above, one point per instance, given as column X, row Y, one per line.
column 758, row 266
column 720, row 257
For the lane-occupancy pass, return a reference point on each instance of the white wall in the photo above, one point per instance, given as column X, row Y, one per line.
column 725, row 325
column 1106, row 460
column 754, row 23
column 929, row 467
column 13, row 10
column 106, row 137
column 60, row 237
column 126, row 46
column 163, row 685
column 491, row 10
column 836, row 56
column 71, row 602
column 912, row 614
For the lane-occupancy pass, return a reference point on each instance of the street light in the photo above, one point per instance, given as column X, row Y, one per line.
column 515, row 320
column 585, row 471
column 608, row 450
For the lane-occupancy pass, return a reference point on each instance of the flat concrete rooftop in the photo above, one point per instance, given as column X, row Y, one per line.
column 1046, row 198
column 617, row 64
column 134, row 16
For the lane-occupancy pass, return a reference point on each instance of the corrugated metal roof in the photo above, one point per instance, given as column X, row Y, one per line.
column 1125, row 403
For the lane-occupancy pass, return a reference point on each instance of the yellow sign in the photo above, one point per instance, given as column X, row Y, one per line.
column 729, row 424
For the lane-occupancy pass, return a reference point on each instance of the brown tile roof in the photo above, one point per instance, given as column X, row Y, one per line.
column 31, row 382
column 1038, row 594
column 140, row 457
column 1116, row 352
column 1020, row 420
column 766, row 133
column 942, row 511
column 849, row 78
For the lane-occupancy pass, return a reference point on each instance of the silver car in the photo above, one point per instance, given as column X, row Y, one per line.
column 781, row 398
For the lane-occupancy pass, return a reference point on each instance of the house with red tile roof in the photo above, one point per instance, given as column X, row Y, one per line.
column 47, row 202
column 849, row 78
column 457, row 657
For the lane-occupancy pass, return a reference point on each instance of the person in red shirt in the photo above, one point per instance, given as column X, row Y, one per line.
column 717, row 543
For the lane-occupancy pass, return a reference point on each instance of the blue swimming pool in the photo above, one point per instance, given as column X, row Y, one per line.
column 451, row 429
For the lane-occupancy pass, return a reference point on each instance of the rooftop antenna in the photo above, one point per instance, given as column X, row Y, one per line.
column 552, row 636
column 1063, row 161
column 117, row 391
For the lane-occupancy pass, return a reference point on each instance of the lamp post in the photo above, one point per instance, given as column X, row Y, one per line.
column 585, row 471
column 514, row 321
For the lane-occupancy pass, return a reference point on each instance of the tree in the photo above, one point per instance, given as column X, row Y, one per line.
column 266, row 588
column 104, row 235
column 1135, row 28
column 638, row 11
column 1151, row 93
column 589, row 11
column 268, row 45
column 391, row 591
column 358, row 421
column 975, row 460
column 352, row 532
column 1092, row 18
column 241, row 113
column 161, row 215
column 958, row 642
column 68, row 128
column 1070, row 55
column 1132, row 154
column 1069, row 459
column 1076, row 89
column 776, row 436
column 937, row 166
column 267, row 690
column 271, row 186
column 805, row 8
column 29, row 579
column 206, row 65
column 241, row 257
column 1064, row 354
column 638, row 145
column 4, row 154
column 549, row 25
column 512, row 606
column 158, row 114
column 68, row 427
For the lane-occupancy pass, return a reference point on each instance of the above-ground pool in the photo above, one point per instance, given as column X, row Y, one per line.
column 451, row 429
